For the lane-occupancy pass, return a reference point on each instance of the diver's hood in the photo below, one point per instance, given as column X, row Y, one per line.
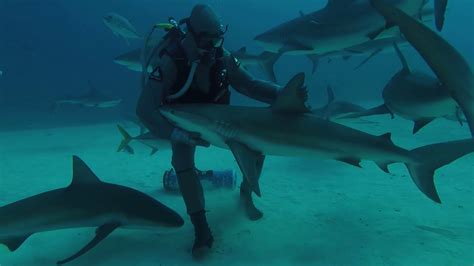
column 204, row 20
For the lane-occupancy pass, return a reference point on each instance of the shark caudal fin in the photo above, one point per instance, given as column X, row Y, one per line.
column 126, row 139
column 431, row 157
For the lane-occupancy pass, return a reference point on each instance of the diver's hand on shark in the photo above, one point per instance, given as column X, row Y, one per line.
column 181, row 136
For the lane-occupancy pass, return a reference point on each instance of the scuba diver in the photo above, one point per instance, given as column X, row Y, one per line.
column 193, row 67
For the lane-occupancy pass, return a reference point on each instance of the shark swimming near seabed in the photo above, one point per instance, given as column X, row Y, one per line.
column 120, row 26
column 92, row 99
column 146, row 138
column 76, row 206
column 334, row 110
column 451, row 68
column 288, row 128
column 415, row 96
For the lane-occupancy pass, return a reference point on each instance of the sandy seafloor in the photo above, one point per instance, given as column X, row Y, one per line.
column 316, row 212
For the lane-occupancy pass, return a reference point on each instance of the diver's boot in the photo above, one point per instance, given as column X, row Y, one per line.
column 203, row 236
column 246, row 202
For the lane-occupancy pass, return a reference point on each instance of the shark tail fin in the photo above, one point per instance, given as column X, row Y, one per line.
column 428, row 159
column 267, row 64
column 126, row 139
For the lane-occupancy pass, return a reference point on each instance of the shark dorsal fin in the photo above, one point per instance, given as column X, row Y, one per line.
column 330, row 92
column 402, row 58
column 292, row 97
column 82, row 174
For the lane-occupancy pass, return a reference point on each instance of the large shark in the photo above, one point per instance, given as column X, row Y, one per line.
column 120, row 26
column 92, row 99
column 86, row 202
column 339, row 25
column 146, row 138
column 447, row 63
column 288, row 129
column 415, row 96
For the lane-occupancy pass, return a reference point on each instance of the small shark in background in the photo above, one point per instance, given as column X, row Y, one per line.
column 86, row 202
column 147, row 138
column 92, row 99
column 288, row 129
column 447, row 63
column 334, row 110
column 120, row 26
column 265, row 60
column 415, row 96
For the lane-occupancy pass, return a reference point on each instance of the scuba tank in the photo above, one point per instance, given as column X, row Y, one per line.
column 173, row 33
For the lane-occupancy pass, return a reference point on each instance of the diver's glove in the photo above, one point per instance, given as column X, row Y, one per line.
column 181, row 136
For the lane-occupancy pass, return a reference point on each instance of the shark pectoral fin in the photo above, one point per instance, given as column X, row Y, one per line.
column 419, row 124
column 352, row 161
column 153, row 151
column 250, row 163
column 292, row 98
column 100, row 234
column 14, row 242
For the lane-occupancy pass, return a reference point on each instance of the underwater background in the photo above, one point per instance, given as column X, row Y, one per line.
column 316, row 212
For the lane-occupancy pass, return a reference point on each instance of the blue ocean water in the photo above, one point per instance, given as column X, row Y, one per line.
column 316, row 213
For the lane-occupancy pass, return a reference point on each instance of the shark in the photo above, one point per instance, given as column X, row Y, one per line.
column 146, row 138
column 287, row 128
column 334, row 110
column 92, row 99
column 344, row 28
column 339, row 25
column 121, row 26
column 265, row 60
column 86, row 202
column 450, row 67
column 415, row 96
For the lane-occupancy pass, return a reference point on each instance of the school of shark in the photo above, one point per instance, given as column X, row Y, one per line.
column 288, row 126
